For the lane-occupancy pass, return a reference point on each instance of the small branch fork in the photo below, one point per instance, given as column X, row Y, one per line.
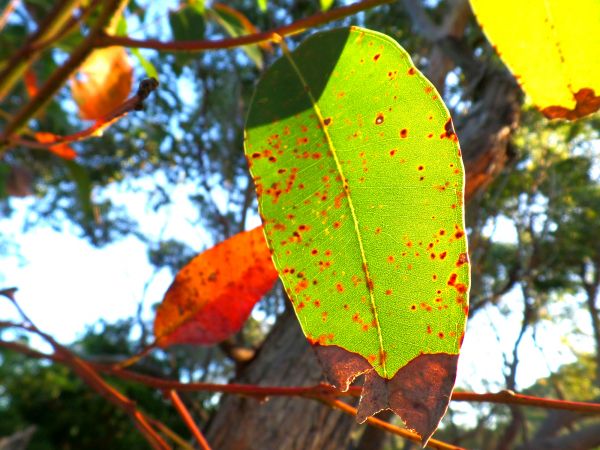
column 134, row 103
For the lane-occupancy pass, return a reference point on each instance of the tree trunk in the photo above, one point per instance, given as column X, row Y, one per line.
column 289, row 423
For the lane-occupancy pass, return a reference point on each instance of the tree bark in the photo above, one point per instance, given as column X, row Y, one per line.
column 285, row 359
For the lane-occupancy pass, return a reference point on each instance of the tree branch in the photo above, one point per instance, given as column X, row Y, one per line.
column 90, row 376
column 188, row 420
column 503, row 397
column 197, row 46
column 134, row 103
column 59, row 76
column 373, row 421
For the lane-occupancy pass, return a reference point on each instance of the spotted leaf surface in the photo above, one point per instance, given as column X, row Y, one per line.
column 554, row 54
column 360, row 185
column 213, row 295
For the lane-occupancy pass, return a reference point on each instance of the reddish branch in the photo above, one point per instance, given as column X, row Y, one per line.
column 134, row 103
column 197, row 46
column 317, row 391
column 96, row 38
column 87, row 373
column 322, row 392
column 188, row 420
column 375, row 422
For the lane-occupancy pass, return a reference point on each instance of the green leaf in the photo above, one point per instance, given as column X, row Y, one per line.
column 4, row 174
column 236, row 24
column 146, row 65
column 84, row 188
column 121, row 27
column 262, row 5
column 326, row 4
column 360, row 186
column 187, row 24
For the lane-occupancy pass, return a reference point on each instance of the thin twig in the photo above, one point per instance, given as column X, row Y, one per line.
column 197, row 46
column 134, row 103
column 188, row 420
column 59, row 76
column 90, row 376
column 12, row 4
column 375, row 422
column 18, row 62
column 170, row 433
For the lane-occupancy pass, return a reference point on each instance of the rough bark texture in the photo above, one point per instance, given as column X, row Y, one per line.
column 285, row 359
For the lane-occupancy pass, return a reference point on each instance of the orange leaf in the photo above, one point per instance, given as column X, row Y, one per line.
column 102, row 83
column 213, row 295
column 31, row 83
column 63, row 150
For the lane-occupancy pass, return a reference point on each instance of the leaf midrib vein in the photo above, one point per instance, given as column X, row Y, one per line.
column 333, row 150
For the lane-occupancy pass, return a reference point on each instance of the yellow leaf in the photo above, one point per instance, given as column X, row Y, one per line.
column 102, row 83
column 552, row 48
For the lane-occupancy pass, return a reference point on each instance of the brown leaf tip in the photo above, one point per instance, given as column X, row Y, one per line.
column 419, row 392
column 341, row 367
column 587, row 102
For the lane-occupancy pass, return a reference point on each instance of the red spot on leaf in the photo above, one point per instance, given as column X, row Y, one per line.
column 452, row 279
column 337, row 202
column 403, row 133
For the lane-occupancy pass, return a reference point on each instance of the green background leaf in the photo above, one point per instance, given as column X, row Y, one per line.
column 187, row 24
column 236, row 24
column 360, row 180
